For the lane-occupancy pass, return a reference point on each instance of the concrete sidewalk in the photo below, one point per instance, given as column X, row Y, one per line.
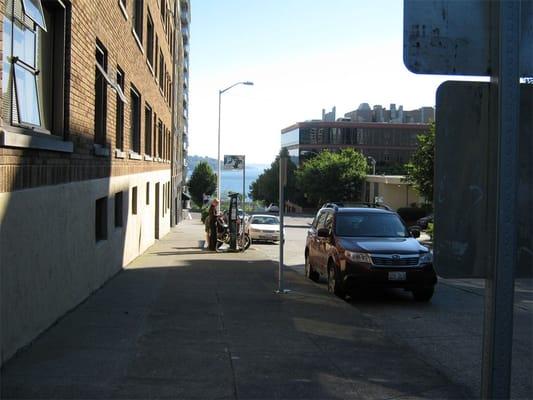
column 181, row 322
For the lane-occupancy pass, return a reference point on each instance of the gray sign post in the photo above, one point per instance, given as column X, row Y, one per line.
column 282, row 184
column 484, row 38
column 499, row 285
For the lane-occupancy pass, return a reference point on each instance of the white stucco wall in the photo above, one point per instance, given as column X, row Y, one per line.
column 49, row 258
column 394, row 191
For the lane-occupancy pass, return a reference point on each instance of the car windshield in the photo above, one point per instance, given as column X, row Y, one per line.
column 265, row 220
column 370, row 225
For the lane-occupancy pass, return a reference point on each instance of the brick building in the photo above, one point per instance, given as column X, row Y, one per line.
column 93, row 139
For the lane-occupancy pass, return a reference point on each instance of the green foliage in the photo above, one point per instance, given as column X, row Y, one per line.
column 266, row 187
column 332, row 176
column 420, row 167
column 203, row 180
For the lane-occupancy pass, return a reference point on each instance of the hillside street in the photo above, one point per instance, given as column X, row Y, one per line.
column 447, row 332
column 181, row 322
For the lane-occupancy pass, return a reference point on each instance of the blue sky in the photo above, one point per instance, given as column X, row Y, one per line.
column 302, row 55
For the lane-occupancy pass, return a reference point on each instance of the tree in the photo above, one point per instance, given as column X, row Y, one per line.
column 203, row 180
column 420, row 167
column 332, row 176
column 266, row 187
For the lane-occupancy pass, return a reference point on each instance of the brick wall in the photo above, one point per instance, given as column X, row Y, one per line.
column 103, row 20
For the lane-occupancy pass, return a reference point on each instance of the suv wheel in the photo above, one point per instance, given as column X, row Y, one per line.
column 334, row 281
column 423, row 294
column 310, row 273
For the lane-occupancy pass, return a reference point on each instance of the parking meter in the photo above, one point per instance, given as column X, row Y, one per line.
column 233, row 215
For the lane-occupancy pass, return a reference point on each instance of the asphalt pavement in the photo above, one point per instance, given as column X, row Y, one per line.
column 182, row 322
column 448, row 332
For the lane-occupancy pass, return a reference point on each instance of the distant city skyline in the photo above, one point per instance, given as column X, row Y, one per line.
column 379, row 113
column 300, row 58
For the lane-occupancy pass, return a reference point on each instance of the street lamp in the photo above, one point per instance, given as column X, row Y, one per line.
column 219, row 104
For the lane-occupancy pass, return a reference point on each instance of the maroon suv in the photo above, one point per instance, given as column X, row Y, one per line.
column 367, row 247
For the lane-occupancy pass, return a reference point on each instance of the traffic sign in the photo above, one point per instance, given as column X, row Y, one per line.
column 466, row 181
column 451, row 37
column 233, row 162
column 491, row 38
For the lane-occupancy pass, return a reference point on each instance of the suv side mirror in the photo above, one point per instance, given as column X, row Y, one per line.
column 415, row 231
column 323, row 232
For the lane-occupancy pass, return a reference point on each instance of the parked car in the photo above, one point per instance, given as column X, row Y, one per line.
column 264, row 228
column 272, row 208
column 424, row 221
column 366, row 247
column 356, row 204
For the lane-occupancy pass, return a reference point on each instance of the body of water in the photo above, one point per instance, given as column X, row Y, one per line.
column 231, row 181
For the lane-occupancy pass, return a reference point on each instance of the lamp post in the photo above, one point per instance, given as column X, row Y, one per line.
column 219, row 106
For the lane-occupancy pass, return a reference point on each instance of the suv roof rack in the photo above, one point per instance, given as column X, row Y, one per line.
column 336, row 205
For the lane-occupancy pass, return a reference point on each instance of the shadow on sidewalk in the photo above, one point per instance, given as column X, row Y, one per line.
column 213, row 328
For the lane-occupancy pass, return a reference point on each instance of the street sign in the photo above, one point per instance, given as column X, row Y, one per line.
column 233, row 162
column 491, row 38
column 451, row 37
column 465, row 181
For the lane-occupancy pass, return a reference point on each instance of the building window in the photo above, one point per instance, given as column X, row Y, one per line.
column 172, row 42
column 134, row 200
column 163, row 9
column 147, row 130
column 135, row 124
column 120, row 110
column 169, row 199
column 33, row 72
column 156, row 52
column 163, row 209
column 167, row 91
column 138, row 6
column 161, row 70
column 119, row 206
column 160, row 139
column 163, row 140
column 150, row 40
column 154, row 135
column 147, row 193
column 101, row 81
column 100, row 219
column 168, row 145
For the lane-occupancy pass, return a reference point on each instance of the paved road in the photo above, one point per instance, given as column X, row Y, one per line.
column 181, row 322
column 447, row 332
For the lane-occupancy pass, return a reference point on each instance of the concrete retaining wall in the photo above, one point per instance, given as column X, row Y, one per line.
column 50, row 260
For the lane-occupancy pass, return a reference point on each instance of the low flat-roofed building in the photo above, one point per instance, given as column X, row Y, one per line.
column 390, row 145
column 391, row 190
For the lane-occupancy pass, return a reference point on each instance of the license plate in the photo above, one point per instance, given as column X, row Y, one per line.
column 397, row 276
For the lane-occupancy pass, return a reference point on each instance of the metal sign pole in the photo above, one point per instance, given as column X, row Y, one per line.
column 499, row 288
column 282, row 183
column 243, row 186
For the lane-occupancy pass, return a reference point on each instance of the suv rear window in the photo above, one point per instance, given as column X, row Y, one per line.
column 370, row 225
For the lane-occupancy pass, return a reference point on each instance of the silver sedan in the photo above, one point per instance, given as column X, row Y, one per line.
column 264, row 228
